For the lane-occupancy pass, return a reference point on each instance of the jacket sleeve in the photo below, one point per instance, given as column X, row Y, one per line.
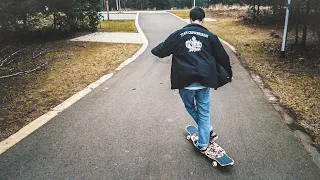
column 221, row 55
column 165, row 48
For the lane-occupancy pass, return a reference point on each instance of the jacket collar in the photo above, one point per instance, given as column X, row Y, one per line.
column 195, row 25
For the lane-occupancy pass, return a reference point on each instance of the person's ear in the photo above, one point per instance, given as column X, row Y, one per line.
column 191, row 21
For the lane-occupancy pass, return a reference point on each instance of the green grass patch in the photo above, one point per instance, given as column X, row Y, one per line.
column 117, row 26
column 184, row 14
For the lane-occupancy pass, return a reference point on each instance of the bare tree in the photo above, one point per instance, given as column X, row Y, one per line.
column 306, row 23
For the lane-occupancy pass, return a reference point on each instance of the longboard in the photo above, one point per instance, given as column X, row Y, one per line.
column 214, row 152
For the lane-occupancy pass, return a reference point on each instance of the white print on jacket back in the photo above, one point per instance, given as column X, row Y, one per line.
column 194, row 45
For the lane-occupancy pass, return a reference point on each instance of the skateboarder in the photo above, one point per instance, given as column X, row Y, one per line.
column 196, row 52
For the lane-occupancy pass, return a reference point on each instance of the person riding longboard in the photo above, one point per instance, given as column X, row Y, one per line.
column 198, row 57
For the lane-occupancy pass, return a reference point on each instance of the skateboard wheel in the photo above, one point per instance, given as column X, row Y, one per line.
column 214, row 164
column 188, row 137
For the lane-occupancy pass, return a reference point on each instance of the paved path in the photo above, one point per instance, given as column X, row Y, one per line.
column 112, row 37
column 132, row 127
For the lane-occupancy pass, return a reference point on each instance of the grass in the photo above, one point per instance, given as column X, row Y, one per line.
column 71, row 67
column 184, row 14
column 117, row 26
column 295, row 79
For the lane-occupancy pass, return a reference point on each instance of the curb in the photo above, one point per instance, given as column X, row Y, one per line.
column 274, row 101
column 37, row 123
column 141, row 50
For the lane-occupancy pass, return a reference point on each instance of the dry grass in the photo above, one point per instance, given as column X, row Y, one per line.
column 117, row 26
column 295, row 80
column 222, row 10
column 72, row 66
column 223, row 7
column 184, row 14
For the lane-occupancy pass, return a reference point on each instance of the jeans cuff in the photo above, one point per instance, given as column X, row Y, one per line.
column 202, row 145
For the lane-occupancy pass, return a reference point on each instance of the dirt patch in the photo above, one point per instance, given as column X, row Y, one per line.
column 71, row 66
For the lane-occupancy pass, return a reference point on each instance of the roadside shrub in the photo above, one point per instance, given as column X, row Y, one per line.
column 18, row 18
column 94, row 18
column 266, row 17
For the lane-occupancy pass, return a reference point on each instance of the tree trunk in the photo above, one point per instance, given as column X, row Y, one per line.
column 259, row 3
column 297, row 26
column 254, row 6
column 306, row 24
column 117, row 5
column 107, row 5
column 25, row 21
column 55, row 20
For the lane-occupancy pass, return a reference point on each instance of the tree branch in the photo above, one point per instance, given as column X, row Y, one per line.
column 33, row 56
column 6, row 59
column 4, row 49
column 24, row 72
column 39, row 54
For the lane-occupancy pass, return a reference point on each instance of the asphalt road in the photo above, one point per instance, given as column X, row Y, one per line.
column 133, row 127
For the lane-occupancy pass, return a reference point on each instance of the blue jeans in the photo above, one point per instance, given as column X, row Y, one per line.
column 197, row 103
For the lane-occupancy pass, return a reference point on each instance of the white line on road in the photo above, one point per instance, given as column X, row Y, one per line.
column 142, row 49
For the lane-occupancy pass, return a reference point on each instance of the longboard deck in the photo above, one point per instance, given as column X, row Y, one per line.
column 219, row 155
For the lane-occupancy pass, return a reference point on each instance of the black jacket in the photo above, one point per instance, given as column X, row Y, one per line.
column 198, row 56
